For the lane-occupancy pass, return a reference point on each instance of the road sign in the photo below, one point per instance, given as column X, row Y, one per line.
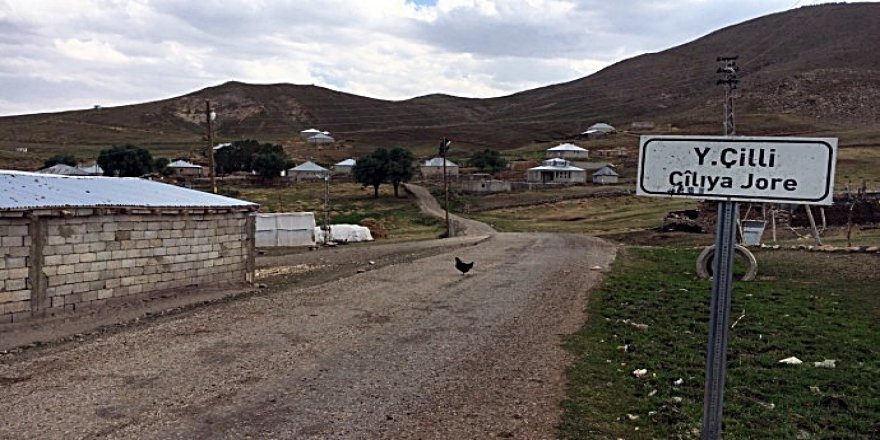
column 745, row 169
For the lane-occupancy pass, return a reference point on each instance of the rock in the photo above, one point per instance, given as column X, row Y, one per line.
column 827, row 363
column 791, row 361
column 640, row 373
column 678, row 381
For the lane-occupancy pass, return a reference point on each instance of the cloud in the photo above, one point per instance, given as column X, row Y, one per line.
column 76, row 54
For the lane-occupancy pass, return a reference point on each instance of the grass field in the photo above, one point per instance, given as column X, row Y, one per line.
column 600, row 215
column 812, row 306
column 349, row 204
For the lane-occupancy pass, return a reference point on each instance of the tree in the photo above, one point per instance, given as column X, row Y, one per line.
column 65, row 159
column 488, row 160
column 400, row 167
column 271, row 164
column 125, row 161
column 372, row 170
column 160, row 165
column 239, row 155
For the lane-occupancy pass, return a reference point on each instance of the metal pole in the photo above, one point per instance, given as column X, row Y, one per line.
column 326, row 210
column 444, row 146
column 210, row 146
column 719, row 320
column 722, row 281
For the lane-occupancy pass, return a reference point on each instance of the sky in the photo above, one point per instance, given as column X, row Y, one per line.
column 74, row 54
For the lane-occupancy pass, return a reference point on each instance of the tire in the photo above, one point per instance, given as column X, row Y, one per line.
column 706, row 259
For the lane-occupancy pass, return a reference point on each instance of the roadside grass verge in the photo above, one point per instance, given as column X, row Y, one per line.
column 350, row 204
column 812, row 306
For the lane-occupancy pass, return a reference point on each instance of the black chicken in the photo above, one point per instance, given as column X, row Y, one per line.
column 462, row 266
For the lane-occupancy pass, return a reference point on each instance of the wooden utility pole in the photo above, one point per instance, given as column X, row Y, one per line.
column 444, row 147
column 208, row 117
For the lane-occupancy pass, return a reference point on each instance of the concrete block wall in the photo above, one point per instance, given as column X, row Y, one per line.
column 83, row 261
column 15, row 244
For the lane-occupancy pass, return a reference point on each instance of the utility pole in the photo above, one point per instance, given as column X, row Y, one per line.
column 722, row 279
column 209, row 116
column 326, row 210
column 444, row 148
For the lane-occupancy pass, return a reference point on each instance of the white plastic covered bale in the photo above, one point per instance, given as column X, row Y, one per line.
column 285, row 229
column 345, row 234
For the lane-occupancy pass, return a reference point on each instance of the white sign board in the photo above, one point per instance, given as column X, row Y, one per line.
column 746, row 169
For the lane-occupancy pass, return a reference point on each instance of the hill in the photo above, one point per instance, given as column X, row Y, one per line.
column 804, row 71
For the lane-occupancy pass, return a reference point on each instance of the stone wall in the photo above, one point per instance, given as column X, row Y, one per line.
column 55, row 264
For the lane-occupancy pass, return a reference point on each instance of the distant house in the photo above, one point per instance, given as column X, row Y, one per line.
column 611, row 152
column 568, row 151
column 305, row 134
column 183, row 168
column 94, row 170
column 320, row 138
column 222, row 146
column 308, row 171
column 482, row 184
column 642, row 125
column 598, row 130
column 605, row 175
column 556, row 170
column 434, row 168
column 345, row 166
column 61, row 169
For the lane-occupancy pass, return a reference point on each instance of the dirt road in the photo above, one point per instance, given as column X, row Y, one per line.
column 411, row 349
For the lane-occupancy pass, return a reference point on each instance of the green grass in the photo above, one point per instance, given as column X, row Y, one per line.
column 598, row 216
column 807, row 305
column 349, row 205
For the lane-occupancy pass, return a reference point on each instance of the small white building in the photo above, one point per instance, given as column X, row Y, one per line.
column 605, row 175
column 556, row 171
column 308, row 171
column 60, row 169
column 285, row 229
column 321, row 138
column 185, row 169
column 569, row 152
column 307, row 133
column 344, row 167
column 603, row 127
column 434, row 168
column 94, row 170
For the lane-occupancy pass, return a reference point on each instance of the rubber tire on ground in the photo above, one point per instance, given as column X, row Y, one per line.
column 707, row 257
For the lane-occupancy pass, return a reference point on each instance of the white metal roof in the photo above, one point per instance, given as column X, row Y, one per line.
column 566, row 147
column 23, row 190
column 556, row 165
column 63, row 170
column 438, row 162
column 601, row 126
column 606, row 171
column 183, row 164
column 94, row 170
column 309, row 166
column 347, row 163
column 311, row 130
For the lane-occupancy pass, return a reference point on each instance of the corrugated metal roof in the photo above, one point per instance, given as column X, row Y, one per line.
column 309, row 166
column 606, row 171
column 347, row 163
column 566, row 147
column 63, row 170
column 22, row 190
column 183, row 164
column 438, row 162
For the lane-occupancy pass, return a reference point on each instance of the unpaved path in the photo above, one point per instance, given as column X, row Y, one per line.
column 461, row 225
column 403, row 348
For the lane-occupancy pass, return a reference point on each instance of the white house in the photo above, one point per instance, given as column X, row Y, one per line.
column 603, row 127
column 345, row 166
column 605, row 175
column 307, row 133
column 434, row 168
column 307, row 171
column 184, row 168
column 568, row 151
column 94, row 170
column 556, row 171
column 320, row 138
column 63, row 170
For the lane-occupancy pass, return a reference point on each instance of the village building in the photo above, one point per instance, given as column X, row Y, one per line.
column 598, row 130
column 307, row 171
column 184, row 168
column 307, row 133
column 433, row 168
column 321, row 138
column 568, row 151
column 611, row 152
column 93, row 170
column 61, row 169
column 344, row 167
column 556, row 171
column 482, row 183
column 73, row 242
column 605, row 175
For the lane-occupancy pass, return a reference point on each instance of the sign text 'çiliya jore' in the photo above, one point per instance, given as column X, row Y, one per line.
column 747, row 169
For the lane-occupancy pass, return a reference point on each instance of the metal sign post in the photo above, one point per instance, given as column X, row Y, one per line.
column 719, row 320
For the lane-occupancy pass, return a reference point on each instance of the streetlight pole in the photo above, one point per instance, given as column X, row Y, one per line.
column 209, row 117
column 444, row 147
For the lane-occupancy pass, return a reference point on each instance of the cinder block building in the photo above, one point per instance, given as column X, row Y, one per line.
column 68, row 242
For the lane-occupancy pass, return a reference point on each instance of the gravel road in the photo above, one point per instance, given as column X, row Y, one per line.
column 409, row 348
